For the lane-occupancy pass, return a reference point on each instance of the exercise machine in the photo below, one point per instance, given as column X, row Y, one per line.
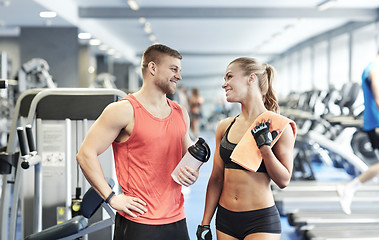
column 60, row 118
column 35, row 74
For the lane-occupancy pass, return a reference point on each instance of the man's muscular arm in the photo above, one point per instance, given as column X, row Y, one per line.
column 102, row 133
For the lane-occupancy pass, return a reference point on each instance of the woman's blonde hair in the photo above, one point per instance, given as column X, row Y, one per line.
column 266, row 75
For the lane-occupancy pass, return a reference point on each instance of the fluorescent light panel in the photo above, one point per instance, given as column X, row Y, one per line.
column 94, row 42
column 326, row 4
column 84, row 36
column 133, row 5
column 47, row 14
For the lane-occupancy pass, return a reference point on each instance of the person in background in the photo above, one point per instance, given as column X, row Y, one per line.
column 195, row 103
column 243, row 198
column 149, row 135
column 370, row 87
column 183, row 97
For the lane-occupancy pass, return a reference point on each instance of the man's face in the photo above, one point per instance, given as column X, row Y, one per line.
column 168, row 74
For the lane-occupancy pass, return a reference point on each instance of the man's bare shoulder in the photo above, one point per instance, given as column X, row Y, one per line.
column 121, row 109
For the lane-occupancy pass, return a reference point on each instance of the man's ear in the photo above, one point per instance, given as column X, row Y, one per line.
column 152, row 67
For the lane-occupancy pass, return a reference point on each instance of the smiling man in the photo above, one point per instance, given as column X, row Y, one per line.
column 149, row 134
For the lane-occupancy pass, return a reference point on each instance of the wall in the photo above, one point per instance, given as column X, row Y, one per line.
column 10, row 45
column 58, row 46
column 327, row 60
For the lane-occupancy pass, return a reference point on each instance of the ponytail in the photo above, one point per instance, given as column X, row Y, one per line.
column 270, row 100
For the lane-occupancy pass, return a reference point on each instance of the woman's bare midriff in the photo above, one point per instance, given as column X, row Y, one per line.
column 245, row 191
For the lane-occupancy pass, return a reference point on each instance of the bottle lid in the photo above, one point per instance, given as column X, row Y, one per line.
column 200, row 150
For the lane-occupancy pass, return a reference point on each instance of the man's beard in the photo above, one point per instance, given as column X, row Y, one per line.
column 166, row 87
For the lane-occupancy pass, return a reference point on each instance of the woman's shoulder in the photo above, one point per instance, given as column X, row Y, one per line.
column 224, row 123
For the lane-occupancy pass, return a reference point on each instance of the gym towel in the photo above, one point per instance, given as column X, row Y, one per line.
column 246, row 153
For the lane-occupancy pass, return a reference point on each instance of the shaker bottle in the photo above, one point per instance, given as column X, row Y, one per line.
column 196, row 155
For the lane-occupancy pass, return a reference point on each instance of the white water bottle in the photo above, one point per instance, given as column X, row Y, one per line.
column 196, row 155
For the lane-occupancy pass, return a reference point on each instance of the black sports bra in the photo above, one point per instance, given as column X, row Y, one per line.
column 226, row 149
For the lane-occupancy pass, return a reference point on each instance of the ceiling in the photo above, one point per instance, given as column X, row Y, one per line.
column 208, row 33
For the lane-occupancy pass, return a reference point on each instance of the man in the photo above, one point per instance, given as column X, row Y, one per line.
column 370, row 86
column 149, row 135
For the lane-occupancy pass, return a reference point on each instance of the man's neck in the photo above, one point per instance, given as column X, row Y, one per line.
column 151, row 97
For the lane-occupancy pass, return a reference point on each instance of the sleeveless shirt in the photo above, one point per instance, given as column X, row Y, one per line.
column 371, row 112
column 226, row 149
column 145, row 161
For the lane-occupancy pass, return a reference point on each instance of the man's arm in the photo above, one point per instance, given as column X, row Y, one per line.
column 374, row 77
column 102, row 133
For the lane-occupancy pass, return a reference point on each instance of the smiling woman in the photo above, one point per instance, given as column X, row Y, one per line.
column 251, row 151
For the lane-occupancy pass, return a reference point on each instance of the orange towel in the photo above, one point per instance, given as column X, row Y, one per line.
column 246, row 153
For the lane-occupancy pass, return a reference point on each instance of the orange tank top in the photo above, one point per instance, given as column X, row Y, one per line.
column 145, row 161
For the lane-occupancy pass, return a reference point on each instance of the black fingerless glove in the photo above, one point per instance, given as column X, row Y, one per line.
column 204, row 232
column 262, row 134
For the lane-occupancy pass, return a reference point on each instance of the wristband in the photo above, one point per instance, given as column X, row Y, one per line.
column 109, row 197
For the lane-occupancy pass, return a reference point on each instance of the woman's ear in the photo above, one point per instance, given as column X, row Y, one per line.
column 252, row 78
column 152, row 67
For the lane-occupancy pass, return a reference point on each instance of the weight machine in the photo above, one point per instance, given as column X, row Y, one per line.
column 60, row 118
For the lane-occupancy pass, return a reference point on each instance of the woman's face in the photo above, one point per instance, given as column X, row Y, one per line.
column 236, row 83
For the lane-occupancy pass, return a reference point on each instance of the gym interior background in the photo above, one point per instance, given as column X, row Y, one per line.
column 319, row 49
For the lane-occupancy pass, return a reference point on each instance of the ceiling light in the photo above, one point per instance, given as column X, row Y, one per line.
column 133, row 5
column 142, row 20
column 91, row 69
column 47, row 14
column 326, row 4
column 94, row 42
column 153, row 38
column 103, row 47
column 147, row 28
column 84, row 36
column 111, row 51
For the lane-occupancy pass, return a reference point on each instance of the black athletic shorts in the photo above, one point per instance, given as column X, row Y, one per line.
column 128, row 230
column 241, row 224
column 373, row 135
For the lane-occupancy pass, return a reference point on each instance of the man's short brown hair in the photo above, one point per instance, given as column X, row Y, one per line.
column 153, row 53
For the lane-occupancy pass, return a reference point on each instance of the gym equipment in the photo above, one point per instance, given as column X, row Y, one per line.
column 321, row 196
column 331, row 224
column 104, row 80
column 10, row 178
column 35, row 74
column 3, row 84
column 78, row 226
column 313, row 208
column 54, row 143
column 345, row 230
column 335, row 140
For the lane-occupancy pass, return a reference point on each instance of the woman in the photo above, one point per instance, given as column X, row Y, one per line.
column 242, row 195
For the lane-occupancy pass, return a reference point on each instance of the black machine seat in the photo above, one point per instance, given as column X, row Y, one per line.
column 67, row 228
column 7, row 161
column 91, row 202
